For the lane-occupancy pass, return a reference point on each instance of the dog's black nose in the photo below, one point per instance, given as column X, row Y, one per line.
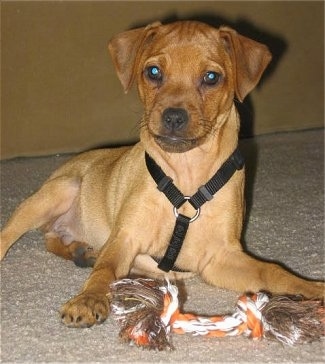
column 174, row 118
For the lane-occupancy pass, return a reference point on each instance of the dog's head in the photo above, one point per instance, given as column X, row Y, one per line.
column 187, row 74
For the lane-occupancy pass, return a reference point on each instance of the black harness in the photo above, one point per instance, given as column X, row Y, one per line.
column 204, row 193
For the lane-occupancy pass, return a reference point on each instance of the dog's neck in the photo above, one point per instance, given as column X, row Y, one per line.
column 195, row 167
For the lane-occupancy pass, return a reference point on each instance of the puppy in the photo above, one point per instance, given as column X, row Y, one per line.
column 103, row 208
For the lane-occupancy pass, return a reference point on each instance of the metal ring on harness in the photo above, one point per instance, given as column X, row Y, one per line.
column 197, row 213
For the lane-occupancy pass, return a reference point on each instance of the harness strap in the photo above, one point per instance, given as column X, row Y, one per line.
column 164, row 183
column 218, row 180
column 175, row 244
column 205, row 193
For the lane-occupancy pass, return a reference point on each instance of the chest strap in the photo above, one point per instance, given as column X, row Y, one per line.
column 204, row 193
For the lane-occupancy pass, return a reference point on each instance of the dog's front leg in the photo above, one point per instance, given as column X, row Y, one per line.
column 240, row 272
column 91, row 306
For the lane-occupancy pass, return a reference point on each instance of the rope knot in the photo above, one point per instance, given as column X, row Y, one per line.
column 249, row 310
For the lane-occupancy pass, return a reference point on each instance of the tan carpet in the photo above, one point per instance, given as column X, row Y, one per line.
column 285, row 223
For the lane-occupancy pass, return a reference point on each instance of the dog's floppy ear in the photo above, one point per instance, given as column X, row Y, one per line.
column 249, row 59
column 124, row 49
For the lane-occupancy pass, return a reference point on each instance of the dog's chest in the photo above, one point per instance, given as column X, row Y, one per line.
column 155, row 228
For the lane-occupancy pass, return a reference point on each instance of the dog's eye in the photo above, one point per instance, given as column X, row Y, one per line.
column 211, row 78
column 154, row 73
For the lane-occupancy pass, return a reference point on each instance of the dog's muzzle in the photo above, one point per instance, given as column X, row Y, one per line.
column 172, row 137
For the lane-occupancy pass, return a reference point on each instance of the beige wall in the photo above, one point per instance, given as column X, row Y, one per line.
column 59, row 91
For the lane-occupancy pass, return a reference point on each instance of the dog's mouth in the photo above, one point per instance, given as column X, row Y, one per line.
column 175, row 144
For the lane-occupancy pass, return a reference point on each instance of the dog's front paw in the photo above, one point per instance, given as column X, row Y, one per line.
column 317, row 290
column 309, row 289
column 85, row 310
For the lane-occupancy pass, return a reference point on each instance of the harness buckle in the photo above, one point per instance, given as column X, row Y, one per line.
column 194, row 217
column 163, row 183
column 207, row 195
column 238, row 160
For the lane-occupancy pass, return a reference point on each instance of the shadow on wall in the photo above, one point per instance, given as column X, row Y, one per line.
column 277, row 46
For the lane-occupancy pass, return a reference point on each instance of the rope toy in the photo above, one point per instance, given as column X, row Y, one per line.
column 148, row 311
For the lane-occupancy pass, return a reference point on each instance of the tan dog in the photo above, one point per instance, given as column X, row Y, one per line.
column 106, row 203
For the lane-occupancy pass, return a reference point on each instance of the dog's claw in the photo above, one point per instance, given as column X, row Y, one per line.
column 85, row 310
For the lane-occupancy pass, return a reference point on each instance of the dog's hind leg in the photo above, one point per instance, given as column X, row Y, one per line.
column 82, row 254
column 53, row 199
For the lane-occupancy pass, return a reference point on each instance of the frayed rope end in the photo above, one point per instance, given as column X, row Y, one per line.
column 294, row 320
column 137, row 305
